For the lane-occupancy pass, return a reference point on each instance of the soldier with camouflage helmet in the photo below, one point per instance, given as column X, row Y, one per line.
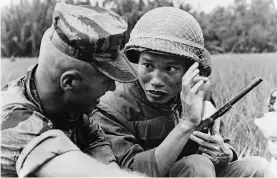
column 148, row 122
column 45, row 115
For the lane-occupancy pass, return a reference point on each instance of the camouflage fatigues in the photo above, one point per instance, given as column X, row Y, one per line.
column 29, row 138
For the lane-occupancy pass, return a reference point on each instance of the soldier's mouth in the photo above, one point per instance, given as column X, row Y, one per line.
column 156, row 93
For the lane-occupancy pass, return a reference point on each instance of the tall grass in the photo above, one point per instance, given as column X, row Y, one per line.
column 230, row 74
column 22, row 26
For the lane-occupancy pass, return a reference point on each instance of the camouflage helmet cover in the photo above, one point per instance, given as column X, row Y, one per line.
column 169, row 30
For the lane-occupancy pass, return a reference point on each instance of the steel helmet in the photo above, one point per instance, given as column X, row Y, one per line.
column 169, row 30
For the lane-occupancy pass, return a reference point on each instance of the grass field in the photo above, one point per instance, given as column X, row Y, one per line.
column 231, row 73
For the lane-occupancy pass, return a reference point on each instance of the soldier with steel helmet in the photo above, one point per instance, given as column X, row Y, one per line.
column 46, row 128
column 148, row 122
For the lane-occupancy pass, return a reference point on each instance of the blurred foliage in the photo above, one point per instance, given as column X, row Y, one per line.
column 240, row 28
column 22, row 27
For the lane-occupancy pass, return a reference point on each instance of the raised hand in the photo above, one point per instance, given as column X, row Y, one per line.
column 192, row 94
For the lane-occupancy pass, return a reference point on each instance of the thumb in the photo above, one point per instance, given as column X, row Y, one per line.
column 201, row 94
column 207, row 88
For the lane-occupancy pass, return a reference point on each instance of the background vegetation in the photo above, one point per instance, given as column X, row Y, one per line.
column 240, row 28
column 230, row 74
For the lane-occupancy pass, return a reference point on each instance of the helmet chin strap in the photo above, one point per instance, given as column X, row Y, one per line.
column 171, row 105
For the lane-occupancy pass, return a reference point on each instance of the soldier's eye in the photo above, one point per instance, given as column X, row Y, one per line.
column 148, row 66
column 171, row 69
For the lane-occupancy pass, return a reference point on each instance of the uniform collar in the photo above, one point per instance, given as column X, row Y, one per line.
column 30, row 87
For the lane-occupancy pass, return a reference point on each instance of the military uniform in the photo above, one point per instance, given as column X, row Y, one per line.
column 135, row 127
column 30, row 138
column 25, row 127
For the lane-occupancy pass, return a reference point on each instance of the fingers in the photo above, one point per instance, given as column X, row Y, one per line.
column 187, row 79
column 192, row 80
column 216, row 138
column 207, row 86
column 204, row 136
column 196, row 87
column 215, row 156
column 191, row 73
column 201, row 94
column 192, row 69
column 190, row 97
column 203, row 143
column 198, row 78
column 201, row 87
column 213, row 152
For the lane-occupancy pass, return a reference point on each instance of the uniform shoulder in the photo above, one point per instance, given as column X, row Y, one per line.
column 122, row 102
column 13, row 95
column 17, row 110
column 19, row 126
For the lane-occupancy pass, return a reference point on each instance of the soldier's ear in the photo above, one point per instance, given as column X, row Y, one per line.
column 70, row 80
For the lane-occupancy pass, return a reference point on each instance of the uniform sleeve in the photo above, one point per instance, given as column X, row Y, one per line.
column 98, row 146
column 27, row 142
column 128, row 152
column 19, row 126
column 41, row 149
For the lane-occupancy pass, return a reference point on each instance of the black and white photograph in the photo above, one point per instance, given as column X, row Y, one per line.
column 138, row 88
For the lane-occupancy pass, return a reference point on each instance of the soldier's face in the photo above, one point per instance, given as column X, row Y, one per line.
column 160, row 76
